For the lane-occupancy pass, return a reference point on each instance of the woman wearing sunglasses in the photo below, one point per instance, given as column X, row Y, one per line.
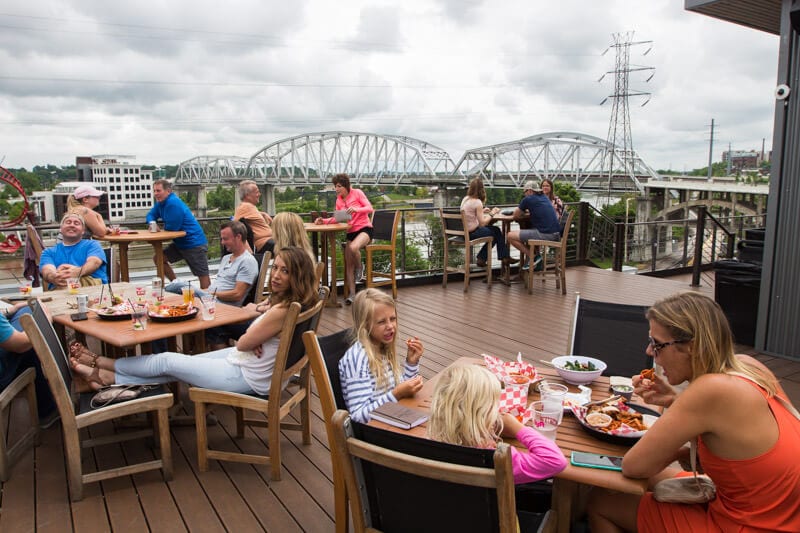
column 747, row 440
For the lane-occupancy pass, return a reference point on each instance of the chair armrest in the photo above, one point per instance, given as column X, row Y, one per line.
column 130, row 407
column 16, row 386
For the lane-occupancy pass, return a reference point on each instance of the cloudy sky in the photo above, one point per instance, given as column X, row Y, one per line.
column 167, row 81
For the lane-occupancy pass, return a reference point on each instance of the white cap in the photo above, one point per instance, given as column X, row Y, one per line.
column 82, row 191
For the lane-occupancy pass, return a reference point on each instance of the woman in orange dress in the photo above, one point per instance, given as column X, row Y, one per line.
column 747, row 439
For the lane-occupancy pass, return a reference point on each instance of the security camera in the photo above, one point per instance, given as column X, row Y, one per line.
column 782, row 91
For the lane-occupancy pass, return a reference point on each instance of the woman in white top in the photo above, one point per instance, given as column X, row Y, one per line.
column 247, row 368
column 478, row 220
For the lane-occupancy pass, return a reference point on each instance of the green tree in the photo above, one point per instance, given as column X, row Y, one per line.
column 221, row 198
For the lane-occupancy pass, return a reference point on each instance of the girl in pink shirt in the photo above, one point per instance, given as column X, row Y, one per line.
column 464, row 411
column 359, row 232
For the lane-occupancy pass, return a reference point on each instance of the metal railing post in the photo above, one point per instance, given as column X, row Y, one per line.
column 619, row 245
column 583, row 232
column 698, row 245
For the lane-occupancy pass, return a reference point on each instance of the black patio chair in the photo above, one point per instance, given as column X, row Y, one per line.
column 614, row 333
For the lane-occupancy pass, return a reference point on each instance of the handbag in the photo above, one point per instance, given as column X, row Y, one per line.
column 695, row 489
column 119, row 393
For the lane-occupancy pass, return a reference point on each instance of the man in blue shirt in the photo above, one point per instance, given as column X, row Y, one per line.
column 74, row 257
column 544, row 221
column 193, row 247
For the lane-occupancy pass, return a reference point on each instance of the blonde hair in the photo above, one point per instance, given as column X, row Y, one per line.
column 288, row 230
column 699, row 320
column 363, row 320
column 73, row 203
column 464, row 407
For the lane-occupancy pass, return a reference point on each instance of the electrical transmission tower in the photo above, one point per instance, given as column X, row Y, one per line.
column 621, row 160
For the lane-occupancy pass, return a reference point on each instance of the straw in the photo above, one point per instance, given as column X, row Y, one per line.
column 100, row 301
column 133, row 313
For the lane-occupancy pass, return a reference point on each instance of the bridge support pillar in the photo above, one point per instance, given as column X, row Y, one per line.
column 268, row 199
column 441, row 197
column 202, row 204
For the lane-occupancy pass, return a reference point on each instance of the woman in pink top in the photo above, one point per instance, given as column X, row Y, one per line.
column 359, row 233
column 464, row 411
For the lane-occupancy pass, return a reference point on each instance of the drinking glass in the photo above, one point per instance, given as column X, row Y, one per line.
column 546, row 418
column 139, row 316
column 209, row 307
column 553, row 393
column 188, row 294
column 73, row 284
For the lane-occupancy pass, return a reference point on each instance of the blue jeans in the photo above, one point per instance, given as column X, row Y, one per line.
column 499, row 241
column 209, row 370
column 13, row 364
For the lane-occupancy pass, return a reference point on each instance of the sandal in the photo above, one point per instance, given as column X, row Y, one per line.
column 84, row 383
column 80, row 353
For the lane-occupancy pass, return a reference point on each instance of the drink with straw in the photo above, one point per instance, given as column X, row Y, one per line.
column 188, row 294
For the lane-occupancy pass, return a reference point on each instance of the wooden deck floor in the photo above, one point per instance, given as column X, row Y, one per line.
column 231, row 497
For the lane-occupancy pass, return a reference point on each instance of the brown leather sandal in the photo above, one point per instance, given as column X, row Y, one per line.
column 78, row 351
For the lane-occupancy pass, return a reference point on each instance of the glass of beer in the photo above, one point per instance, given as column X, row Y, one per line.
column 188, row 294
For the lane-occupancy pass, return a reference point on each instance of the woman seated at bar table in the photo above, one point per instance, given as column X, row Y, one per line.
column 747, row 440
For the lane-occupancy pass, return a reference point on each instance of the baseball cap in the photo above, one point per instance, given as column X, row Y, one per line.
column 82, row 191
column 532, row 186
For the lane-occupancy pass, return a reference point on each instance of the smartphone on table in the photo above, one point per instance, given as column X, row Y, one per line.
column 596, row 460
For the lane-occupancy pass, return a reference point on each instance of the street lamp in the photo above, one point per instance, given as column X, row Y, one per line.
column 625, row 251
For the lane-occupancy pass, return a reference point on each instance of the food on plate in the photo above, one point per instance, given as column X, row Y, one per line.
column 519, row 379
column 598, row 420
column 119, row 309
column 172, row 310
column 116, row 300
column 618, row 414
column 580, row 367
column 648, row 373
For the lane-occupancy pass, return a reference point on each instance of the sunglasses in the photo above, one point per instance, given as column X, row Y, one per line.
column 657, row 346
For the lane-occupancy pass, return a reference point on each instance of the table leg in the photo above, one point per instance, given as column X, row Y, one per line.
column 159, row 259
column 561, row 515
column 331, row 245
column 123, row 262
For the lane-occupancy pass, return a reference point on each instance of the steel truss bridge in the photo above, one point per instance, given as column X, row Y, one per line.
column 375, row 159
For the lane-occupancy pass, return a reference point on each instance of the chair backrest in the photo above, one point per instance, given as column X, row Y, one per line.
column 256, row 294
column 54, row 361
column 324, row 354
column 454, row 488
column 452, row 223
column 614, row 333
column 291, row 356
column 384, row 225
column 565, row 221
column 34, row 240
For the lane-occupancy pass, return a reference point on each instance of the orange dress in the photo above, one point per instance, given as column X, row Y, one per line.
column 757, row 494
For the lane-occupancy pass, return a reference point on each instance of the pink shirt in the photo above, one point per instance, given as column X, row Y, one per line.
column 358, row 201
column 543, row 460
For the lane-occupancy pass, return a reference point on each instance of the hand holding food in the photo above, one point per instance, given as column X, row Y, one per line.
column 652, row 388
column 415, row 350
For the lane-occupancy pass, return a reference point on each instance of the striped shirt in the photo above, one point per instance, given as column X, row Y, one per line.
column 359, row 386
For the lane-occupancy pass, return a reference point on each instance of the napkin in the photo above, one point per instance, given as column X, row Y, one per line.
column 512, row 401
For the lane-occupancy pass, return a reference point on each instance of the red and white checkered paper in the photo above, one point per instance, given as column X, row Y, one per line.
column 511, row 401
column 624, row 430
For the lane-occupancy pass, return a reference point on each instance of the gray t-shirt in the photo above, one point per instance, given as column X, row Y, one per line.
column 244, row 268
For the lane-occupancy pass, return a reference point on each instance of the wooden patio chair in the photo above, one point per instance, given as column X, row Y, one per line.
column 557, row 269
column 615, row 333
column 324, row 354
column 79, row 415
column 454, row 233
column 290, row 361
column 257, row 293
column 401, row 483
column 10, row 454
column 384, row 225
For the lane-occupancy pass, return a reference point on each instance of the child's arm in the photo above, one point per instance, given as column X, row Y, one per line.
column 358, row 388
column 544, row 459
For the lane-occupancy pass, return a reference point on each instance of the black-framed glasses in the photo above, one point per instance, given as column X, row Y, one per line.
column 656, row 346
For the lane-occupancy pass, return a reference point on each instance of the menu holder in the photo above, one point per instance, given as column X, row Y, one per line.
column 397, row 415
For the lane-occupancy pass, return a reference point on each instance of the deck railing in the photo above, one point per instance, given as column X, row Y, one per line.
column 657, row 248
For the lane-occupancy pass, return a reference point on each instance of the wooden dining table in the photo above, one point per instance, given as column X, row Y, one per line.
column 572, row 484
column 505, row 221
column 328, row 233
column 156, row 240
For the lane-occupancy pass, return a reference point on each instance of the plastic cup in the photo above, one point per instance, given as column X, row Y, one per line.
column 209, row 307
column 553, row 393
column 517, row 383
column 188, row 294
column 73, row 284
column 139, row 317
column 546, row 418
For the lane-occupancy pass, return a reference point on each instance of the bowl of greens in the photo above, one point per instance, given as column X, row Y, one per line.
column 578, row 369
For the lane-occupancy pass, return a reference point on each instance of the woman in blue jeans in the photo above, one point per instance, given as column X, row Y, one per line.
column 247, row 368
column 478, row 219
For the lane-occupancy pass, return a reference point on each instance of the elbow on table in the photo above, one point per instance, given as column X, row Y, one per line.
column 636, row 471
